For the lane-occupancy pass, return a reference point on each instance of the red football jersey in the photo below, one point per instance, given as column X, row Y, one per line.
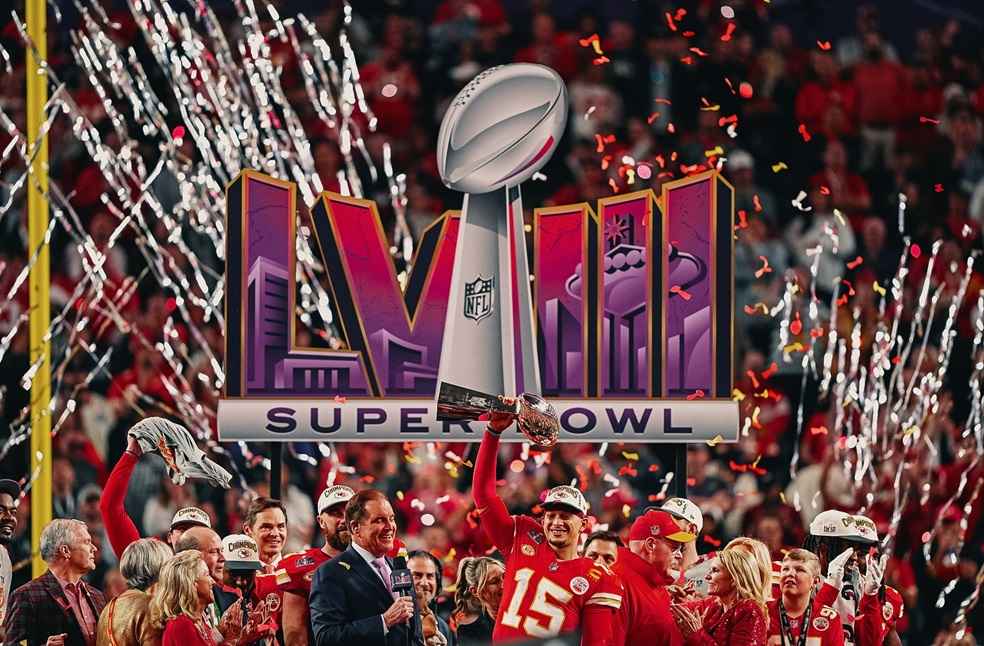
column 295, row 571
column 544, row 597
column 824, row 630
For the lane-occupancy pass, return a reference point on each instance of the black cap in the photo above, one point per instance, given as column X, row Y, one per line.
column 10, row 487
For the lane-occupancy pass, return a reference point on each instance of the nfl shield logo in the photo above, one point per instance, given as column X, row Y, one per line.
column 478, row 298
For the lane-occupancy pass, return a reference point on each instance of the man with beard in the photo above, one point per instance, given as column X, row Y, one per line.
column 9, row 493
column 426, row 570
column 295, row 572
column 547, row 589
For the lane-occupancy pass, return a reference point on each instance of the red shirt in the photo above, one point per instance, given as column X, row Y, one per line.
column 645, row 618
column 182, row 631
column 743, row 624
column 542, row 596
column 873, row 619
column 824, row 629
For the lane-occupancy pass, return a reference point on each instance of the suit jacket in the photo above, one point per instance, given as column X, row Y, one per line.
column 39, row 609
column 347, row 602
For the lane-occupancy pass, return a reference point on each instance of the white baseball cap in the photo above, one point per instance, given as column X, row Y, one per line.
column 566, row 496
column 864, row 529
column 241, row 553
column 335, row 495
column 833, row 524
column 191, row 516
column 683, row 508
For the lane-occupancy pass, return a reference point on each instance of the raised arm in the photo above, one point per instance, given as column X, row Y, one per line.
column 495, row 518
column 119, row 527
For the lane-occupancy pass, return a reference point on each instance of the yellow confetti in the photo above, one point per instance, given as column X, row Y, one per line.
column 717, row 439
column 626, row 510
column 711, row 107
column 716, row 151
column 399, row 495
column 737, row 395
column 631, row 457
column 878, row 288
column 910, row 430
column 782, row 497
column 755, row 417
column 793, row 347
column 779, row 167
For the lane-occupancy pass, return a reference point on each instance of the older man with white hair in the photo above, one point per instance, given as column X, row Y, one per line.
column 58, row 608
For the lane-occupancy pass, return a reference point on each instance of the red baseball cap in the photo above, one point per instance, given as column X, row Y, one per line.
column 658, row 524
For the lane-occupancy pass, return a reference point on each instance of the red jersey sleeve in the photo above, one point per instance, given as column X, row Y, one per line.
column 600, row 618
column 119, row 527
column 495, row 518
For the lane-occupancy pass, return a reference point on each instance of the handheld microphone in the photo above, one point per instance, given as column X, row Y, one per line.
column 401, row 580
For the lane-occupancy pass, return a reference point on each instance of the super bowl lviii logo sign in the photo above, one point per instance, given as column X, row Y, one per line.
column 620, row 313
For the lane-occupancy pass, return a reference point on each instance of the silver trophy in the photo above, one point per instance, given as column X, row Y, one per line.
column 535, row 417
column 498, row 131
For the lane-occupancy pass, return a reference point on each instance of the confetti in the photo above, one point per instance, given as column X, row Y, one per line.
column 764, row 269
column 745, row 90
column 727, row 11
column 938, row 188
column 935, row 122
column 698, row 394
column 728, row 31
column 589, row 112
column 915, row 250
column 593, row 41
column 601, row 60
column 854, row 264
column 824, row 45
column 804, row 132
column 676, row 289
column 717, row 439
column 781, row 166
column 389, row 90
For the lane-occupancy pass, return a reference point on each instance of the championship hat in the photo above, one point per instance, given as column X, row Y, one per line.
column 656, row 523
column 864, row 529
column 241, row 553
column 334, row 495
column 190, row 516
column 833, row 523
column 688, row 511
column 566, row 497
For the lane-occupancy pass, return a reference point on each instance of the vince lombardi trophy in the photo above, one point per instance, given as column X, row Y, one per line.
column 498, row 131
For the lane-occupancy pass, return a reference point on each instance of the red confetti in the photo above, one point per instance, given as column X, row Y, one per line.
column 679, row 14
column 178, row 132
column 771, row 370
column 601, row 60
column 757, row 203
column 796, row 325
column 628, row 470
column 745, row 90
column 339, row 399
column 698, row 51
column 824, row 190
column 710, row 540
column 824, row 45
column 938, row 188
column 742, row 219
column 689, row 33
column 725, row 120
column 666, row 101
column 850, row 287
column 613, row 185
column 687, row 60
column 764, row 269
column 915, row 250
column 928, row 120
column 669, row 22
column 854, row 263
column 670, row 128
column 653, row 468
column 730, row 29
column 696, row 395
column 816, row 333
column 676, row 289
column 652, row 117
column 804, row 132
column 818, row 430
column 589, row 41
column 755, row 381
column 691, row 482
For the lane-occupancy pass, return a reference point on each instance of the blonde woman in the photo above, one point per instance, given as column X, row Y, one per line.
column 476, row 599
column 734, row 614
column 182, row 593
column 763, row 558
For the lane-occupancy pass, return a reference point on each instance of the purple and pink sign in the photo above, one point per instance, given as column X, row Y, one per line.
column 633, row 304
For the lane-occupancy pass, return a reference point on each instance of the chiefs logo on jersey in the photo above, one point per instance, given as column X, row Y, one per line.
column 821, row 623
column 273, row 602
column 528, row 549
column 579, row 585
column 887, row 611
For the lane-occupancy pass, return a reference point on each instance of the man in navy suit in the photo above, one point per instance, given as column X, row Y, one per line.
column 351, row 596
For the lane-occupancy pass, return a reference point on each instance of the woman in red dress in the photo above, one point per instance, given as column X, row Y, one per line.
column 734, row 614
column 177, row 608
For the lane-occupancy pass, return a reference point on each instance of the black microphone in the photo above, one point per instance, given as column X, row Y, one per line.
column 401, row 581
